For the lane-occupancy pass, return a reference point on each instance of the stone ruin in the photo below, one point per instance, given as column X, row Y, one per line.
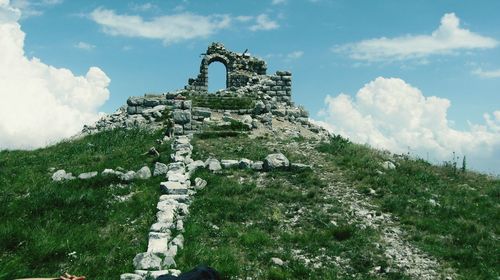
column 251, row 93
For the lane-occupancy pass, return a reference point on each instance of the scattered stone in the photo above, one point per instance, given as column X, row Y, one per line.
column 178, row 241
column 152, row 151
column 257, row 165
column 147, row 261
column 229, row 163
column 300, row 166
column 388, row 165
column 160, row 169
column 88, row 175
column 275, row 161
column 173, row 187
column 245, row 163
column 144, row 173
column 168, row 262
column 161, row 227
column 158, row 242
column 111, row 172
column 129, row 176
column 199, row 183
column 131, row 276
column 213, row 164
column 277, row 261
column 61, row 175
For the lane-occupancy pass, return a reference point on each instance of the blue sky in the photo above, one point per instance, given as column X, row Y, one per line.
column 331, row 47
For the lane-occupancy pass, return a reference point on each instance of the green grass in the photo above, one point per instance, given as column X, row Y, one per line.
column 241, row 220
column 224, row 103
column 462, row 230
column 43, row 222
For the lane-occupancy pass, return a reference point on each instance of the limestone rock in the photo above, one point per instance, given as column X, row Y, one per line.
column 199, row 183
column 275, row 161
column 158, row 242
column 168, row 262
column 88, row 175
column 161, row 227
column 257, row 165
column 277, row 261
column 388, row 165
column 61, row 175
column 160, row 169
column 147, row 261
column 129, row 176
column 300, row 166
column 245, row 163
column 130, row 276
column 144, row 173
column 182, row 116
column 173, row 187
column 213, row 164
column 229, row 163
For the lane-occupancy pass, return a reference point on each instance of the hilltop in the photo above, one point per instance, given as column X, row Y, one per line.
column 239, row 180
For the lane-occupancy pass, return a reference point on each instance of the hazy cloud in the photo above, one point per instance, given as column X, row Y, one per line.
column 488, row 74
column 84, row 46
column 263, row 22
column 448, row 38
column 170, row 28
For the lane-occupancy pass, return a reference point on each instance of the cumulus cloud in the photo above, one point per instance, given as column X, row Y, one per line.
column 170, row 28
column 33, row 7
column 389, row 113
column 487, row 74
column 448, row 38
column 263, row 22
column 41, row 104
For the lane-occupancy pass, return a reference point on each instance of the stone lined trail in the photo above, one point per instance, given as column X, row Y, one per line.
column 172, row 208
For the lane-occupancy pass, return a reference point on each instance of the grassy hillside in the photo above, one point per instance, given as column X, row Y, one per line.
column 47, row 228
column 327, row 223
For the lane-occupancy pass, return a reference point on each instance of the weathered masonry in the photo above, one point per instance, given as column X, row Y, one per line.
column 251, row 93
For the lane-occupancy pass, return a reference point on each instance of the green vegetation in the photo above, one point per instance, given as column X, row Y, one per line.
column 451, row 215
column 48, row 228
column 223, row 102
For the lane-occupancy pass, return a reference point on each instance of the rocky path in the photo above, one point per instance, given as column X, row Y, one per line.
column 165, row 236
column 400, row 253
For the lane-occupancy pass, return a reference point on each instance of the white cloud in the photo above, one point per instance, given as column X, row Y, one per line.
column 295, row 55
column 41, row 104
column 263, row 22
column 170, row 29
column 84, row 46
column 277, row 2
column 31, row 8
column 389, row 113
column 143, row 7
column 447, row 39
column 487, row 74
column 244, row 18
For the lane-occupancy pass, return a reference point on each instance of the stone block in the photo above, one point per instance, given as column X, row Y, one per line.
column 147, row 261
column 173, row 188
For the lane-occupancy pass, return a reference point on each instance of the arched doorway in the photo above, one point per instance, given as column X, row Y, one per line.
column 217, row 76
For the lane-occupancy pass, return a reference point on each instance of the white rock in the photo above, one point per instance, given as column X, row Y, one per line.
column 147, row 261
column 275, row 161
column 176, row 197
column 165, row 216
column 130, row 276
column 277, row 261
column 168, row 262
column 158, row 242
column 161, row 227
column 144, row 173
column 257, row 165
column 178, row 241
column 388, row 165
column 178, row 177
column 199, row 183
column 160, row 169
column 229, row 163
column 170, row 187
column 88, row 175
column 166, row 205
column 60, row 175
column 129, row 176
column 152, row 274
column 213, row 164
column 245, row 163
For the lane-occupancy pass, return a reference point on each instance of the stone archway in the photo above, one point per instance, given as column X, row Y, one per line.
column 218, row 59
